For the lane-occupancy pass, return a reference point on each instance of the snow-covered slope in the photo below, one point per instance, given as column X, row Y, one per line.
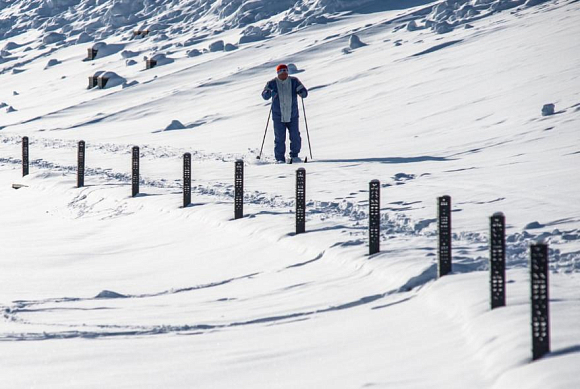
column 101, row 289
column 67, row 22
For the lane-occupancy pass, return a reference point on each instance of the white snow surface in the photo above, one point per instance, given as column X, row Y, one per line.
column 99, row 289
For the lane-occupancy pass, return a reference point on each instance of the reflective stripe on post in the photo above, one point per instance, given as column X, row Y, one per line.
column 186, row 179
column 300, row 200
column 239, row 189
column 81, row 164
column 135, row 171
column 374, row 216
column 540, row 300
column 25, row 156
column 444, row 232
column 497, row 259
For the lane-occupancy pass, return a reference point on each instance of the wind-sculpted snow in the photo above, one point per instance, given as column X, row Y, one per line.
column 449, row 14
column 99, row 288
column 350, row 215
column 30, row 309
column 191, row 19
column 115, row 17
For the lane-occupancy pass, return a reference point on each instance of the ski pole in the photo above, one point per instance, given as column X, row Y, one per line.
column 306, row 122
column 265, row 131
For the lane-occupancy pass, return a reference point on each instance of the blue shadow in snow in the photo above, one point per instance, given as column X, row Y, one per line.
column 307, row 262
column 565, row 351
column 388, row 5
column 253, row 215
column 148, row 194
column 437, row 47
column 193, row 204
column 391, row 304
column 392, row 160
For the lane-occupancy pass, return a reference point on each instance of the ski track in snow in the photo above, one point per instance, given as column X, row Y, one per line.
column 61, row 318
column 187, row 329
column 112, row 330
column 353, row 214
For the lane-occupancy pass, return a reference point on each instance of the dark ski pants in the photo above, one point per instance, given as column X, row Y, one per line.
column 280, row 138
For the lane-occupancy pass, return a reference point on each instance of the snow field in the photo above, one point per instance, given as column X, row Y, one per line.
column 196, row 298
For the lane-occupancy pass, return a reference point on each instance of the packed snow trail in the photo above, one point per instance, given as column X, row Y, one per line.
column 101, row 289
column 349, row 211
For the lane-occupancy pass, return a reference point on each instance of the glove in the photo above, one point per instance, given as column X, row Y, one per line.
column 302, row 93
column 266, row 93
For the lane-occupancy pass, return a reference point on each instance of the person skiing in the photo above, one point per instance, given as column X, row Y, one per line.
column 284, row 91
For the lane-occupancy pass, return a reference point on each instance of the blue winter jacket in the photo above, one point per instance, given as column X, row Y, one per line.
column 271, row 89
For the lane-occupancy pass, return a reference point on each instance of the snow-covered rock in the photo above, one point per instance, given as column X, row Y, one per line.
column 6, row 59
column 253, row 34
column 104, row 49
column 193, row 53
column 354, row 42
column 412, row 26
column 442, row 27
column 10, row 46
column 53, row 37
column 216, row 46
column 548, row 109
column 83, row 38
column 285, row 26
column 109, row 294
column 230, row 47
column 51, row 63
column 533, row 226
column 161, row 59
column 175, row 125
column 129, row 54
column 113, row 79
column 161, row 38
column 457, row 12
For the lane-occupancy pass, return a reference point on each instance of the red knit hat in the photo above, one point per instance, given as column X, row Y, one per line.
column 281, row 67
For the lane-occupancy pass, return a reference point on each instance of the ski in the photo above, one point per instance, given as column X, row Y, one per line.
column 290, row 162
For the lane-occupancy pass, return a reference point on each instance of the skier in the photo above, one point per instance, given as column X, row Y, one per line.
column 284, row 90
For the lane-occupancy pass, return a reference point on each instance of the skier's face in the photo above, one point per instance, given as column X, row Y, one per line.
column 283, row 74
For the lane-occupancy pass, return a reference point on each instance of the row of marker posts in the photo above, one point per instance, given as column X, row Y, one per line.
column 540, row 320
